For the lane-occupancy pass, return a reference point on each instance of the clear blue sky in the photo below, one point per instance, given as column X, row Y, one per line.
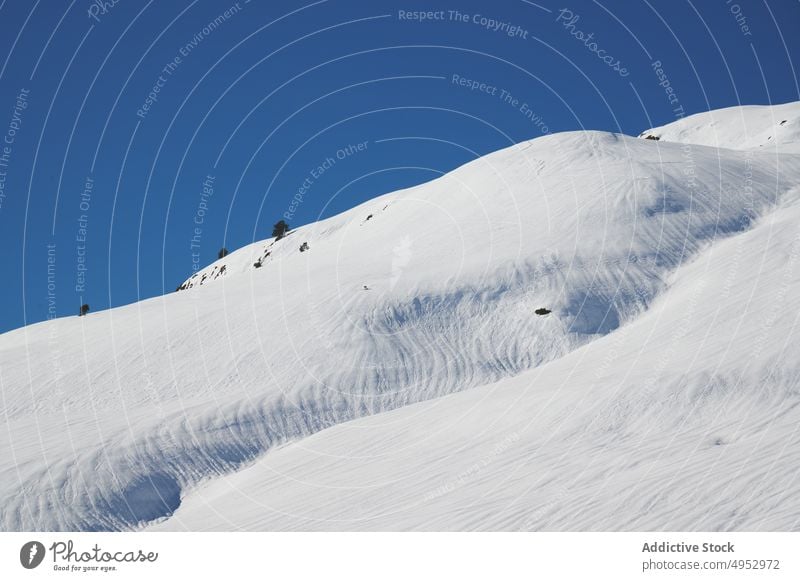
column 264, row 93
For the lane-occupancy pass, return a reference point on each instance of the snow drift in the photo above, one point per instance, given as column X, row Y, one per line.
column 117, row 419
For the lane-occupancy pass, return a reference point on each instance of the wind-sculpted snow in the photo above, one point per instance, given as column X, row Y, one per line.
column 113, row 418
column 686, row 419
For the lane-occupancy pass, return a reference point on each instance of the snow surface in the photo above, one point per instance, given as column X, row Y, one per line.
column 773, row 128
column 686, row 419
column 660, row 392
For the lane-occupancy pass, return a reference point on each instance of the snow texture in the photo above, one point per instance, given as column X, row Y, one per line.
column 660, row 392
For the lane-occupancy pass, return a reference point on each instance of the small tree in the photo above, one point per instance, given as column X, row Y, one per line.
column 223, row 252
column 280, row 229
column 84, row 310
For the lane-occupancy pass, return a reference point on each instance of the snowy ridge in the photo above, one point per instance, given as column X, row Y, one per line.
column 116, row 417
column 774, row 128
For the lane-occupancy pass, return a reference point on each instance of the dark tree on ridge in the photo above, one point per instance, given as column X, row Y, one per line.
column 280, row 229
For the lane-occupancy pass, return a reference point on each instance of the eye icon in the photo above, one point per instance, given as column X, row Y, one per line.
column 31, row 554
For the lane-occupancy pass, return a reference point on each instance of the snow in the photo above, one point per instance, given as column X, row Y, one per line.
column 660, row 392
column 687, row 419
column 774, row 128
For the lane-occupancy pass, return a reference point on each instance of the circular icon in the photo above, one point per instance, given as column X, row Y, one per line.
column 31, row 554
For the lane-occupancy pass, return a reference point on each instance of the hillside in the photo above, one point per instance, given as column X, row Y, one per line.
column 774, row 128
column 660, row 267
column 686, row 419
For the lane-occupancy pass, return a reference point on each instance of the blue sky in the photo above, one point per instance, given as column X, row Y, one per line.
column 127, row 121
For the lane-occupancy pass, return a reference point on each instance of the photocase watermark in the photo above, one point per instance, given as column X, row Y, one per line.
column 688, row 167
column 81, row 235
column 31, row 554
column 172, row 66
column 533, row 520
column 98, row 8
column 525, row 109
column 486, row 22
column 152, row 96
column 747, row 185
column 195, row 242
column 568, row 20
column 505, row 96
column 51, row 281
column 666, row 84
column 206, row 31
column 66, row 558
column 10, row 137
column 54, row 338
column 473, row 85
column 318, row 171
column 491, row 24
column 738, row 15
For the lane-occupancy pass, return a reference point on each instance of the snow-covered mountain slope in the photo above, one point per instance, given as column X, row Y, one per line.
column 686, row 419
column 114, row 418
column 774, row 128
